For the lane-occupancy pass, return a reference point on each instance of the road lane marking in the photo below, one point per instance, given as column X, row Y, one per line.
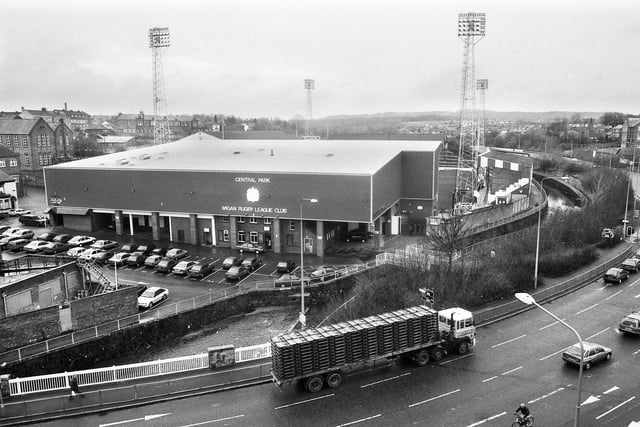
column 597, row 333
column 457, row 358
column 588, row 308
column 508, row 341
column 546, row 395
column 613, row 295
column 385, row 380
column 433, row 398
column 489, row 379
column 637, row 296
column 213, row 421
column 615, row 407
column 304, row 401
column 614, row 388
column 487, row 419
column 145, row 418
column 635, row 352
column 551, row 324
column 513, row 370
column 359, row 421
column 552, row 354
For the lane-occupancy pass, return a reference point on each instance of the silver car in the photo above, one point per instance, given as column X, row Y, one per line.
column 593, row 353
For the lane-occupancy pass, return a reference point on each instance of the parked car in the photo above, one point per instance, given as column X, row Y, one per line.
column 4, row 228
column 358, row 236
column 34, row 220
column 230, row 262
column 104, row 245
column 4, row 242
column 152, row 260
column 176, row 254
column 34, row 246
column 76, row 251
column 19, row 211
column 63, row 238
column 24, row 233
column 198, row 270
column 615, row 275
column 250, row 247
column 183, row 267
column 159, row 251
column 54, row 247
column 87, row 255
column 17, row 245
column 141, row 288
column 129, row 247
column 165, row 265
column 631, row 264
column 152, row 296
column 323, row 273
column 47, row 237
column 285, row 266
column 136, row 259
column 288, row 279
column 236, row 272
column 81, row 241
column 593, row 353
column 118, row 259
column 103, row 256
column 146, row 249
column 252, row 263
column 9, row 231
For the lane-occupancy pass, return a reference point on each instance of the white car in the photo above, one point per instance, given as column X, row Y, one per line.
column 34, row 246
column 75, row 252
column 118, row 259
column 152, row 296
column 87, row 255
column 18, row 212
column 183, row 267
column 81, row 241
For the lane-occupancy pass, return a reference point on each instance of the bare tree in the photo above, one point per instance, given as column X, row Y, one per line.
column 447, row 236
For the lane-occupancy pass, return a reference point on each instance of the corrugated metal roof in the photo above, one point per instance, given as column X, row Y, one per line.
column 203, row 152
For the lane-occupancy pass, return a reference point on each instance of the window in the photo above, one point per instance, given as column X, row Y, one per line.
column 48, row 140
column 241, row 237
column 27, row 160
column 225, row 219
column 38, row 140
column 67, row 139
column 267, row 220
column 253, row 220
column 13, row 162
column 253, row 237
column 292, row 225
column 25, row 142
column 289, row 239
column 1, row 139
column 225, row 235
column 3, row 164
column 240, row 220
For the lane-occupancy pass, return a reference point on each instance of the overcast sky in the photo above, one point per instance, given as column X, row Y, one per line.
column 250, row 57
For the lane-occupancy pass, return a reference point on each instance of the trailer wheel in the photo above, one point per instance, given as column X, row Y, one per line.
column 422, row 357
column 334, row 379
column 463, row 347
column 437, row 354
column 314, row 384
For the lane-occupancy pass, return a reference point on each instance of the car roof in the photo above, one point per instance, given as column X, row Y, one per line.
column 614, row 269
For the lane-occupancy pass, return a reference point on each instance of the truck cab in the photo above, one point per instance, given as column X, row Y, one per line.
column 457, row 326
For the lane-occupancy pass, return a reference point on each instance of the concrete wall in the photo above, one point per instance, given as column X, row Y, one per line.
column 27, row 328
column 103, row 308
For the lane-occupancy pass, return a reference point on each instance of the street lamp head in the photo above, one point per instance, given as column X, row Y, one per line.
column 525, row 298
column 306, row 199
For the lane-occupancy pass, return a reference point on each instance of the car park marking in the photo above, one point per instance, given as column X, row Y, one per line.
column 385, row 380
column 613, row 295
column 546, row 395
column 588, row 308
column 213, row 421
column 597, row 333
column 489, row 379
column 551, row 324
column 637, row 296
column 615, row 407
column 359, row 421
column 433, row 398
column 508, row 341
column 512, row 370
column 457, row 358
column 552, row 354
column 635, row 352
column 304, row 401
column 493, row 417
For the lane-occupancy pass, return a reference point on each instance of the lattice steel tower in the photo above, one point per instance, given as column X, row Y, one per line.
column 309, row 85
column 482, row 85
column 158, row 41
column 471, row 29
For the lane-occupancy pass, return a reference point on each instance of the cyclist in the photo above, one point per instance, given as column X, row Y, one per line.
column 524, row 411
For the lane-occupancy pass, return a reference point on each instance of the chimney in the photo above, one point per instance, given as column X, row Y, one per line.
column 44, row 110
column 65, row 106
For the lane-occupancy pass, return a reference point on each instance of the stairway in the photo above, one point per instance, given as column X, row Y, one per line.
column 98, row 274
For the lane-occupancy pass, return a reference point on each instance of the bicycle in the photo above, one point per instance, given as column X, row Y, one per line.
column 520, row 421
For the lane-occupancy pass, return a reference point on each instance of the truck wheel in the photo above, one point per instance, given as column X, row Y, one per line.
column 422, row 357
column 437, row 354
column 334, row 379
column 463, row 347
column 314, row 384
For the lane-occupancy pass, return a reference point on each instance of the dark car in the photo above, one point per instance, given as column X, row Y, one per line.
column 198, row 270
column 285, row 266
column 159, row 251
column 593, row 353
column 237, row 272
column 103, row 256
column 231, row 262
column 47, row 237
column 17, row 245
column 54, row 248
column 63, row 238
column 136, row 259
column 250, row 247
column 165, row 265
column 34, row 246
column 146, row 249
column 631, row 264
column 104, row 245
column 252, row 263
column 129, row 247
column 4, row 242
column 288, row 279
column 358, row 236
column 176, row 254
column 34, row 220
column 615, row 275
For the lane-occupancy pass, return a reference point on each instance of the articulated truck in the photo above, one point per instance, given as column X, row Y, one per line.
column 320, row 356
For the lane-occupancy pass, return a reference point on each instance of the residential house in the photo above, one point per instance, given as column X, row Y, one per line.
column 9, row 178
column 629, row 134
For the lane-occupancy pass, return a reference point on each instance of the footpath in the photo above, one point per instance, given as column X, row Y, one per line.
column 41, row 407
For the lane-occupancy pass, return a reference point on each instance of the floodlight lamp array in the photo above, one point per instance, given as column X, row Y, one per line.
column 309, row 84
column 471, row 24
column 482, row 84
column 159, row 37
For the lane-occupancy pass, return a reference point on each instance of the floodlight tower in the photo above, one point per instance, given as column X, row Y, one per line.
column 471, row 29
column 482, row 85
column 158, row 41
column 309, row 85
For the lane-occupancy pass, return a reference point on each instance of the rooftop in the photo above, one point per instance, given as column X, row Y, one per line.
column 203, row 152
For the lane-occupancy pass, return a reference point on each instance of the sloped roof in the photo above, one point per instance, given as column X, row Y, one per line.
column 18, row 126
column 5, row 152
column 5, row 178
column 633, row 121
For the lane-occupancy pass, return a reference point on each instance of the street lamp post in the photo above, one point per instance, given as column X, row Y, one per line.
column 303, row 320
column 529, row 300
